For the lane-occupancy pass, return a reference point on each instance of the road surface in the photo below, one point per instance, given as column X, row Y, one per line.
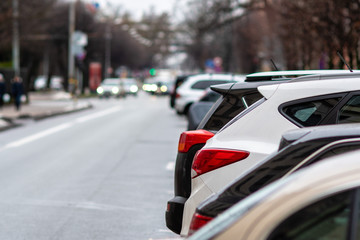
column 103, row 173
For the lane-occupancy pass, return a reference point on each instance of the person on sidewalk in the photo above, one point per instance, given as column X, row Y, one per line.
column 17, row 90
column 2, row 90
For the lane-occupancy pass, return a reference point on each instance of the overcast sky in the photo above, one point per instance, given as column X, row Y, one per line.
column 137, row 7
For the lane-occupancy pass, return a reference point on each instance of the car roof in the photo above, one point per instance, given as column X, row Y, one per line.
column 338, row 173
column 271, row 75
column 330, row 82
column 226, row 87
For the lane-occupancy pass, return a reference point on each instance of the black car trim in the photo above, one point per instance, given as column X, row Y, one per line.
column 325, row 149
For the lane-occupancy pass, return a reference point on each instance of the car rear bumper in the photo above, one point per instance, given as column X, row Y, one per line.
column 174, row 213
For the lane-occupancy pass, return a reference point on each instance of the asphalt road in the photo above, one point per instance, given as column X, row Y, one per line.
column 103, row 173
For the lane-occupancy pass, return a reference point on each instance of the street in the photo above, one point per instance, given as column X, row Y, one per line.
column 102, row 173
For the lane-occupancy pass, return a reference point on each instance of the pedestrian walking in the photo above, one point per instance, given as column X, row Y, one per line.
column 17, row 90
column 2, row 90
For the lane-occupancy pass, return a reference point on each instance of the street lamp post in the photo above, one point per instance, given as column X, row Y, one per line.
column 108, row 37
column 15, row 40
column 70, row 48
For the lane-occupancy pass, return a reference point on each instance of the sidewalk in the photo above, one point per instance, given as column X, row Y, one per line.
column 42, row 105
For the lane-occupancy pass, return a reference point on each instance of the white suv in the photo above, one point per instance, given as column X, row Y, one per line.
column 195, row 86
column 256, row 132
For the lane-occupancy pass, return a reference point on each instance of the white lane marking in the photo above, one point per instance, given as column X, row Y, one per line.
column 170, row 166
column 98, row 114
column 71, row 204
column 61, row 127
column 38, row 135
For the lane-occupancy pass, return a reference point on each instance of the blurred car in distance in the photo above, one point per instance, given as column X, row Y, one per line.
column 111, row 87
column 157, row 87
column 130, row 86
column 318, row 202
column 194, row 87
column 254, row 134
column 298, row 149
column 56, row 83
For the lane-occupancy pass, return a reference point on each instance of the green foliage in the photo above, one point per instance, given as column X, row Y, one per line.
column 7, row 64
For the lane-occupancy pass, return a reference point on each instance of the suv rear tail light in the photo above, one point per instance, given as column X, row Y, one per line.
column 190, row 138
column 197, row 222
column 207, row 160
column 177, row 95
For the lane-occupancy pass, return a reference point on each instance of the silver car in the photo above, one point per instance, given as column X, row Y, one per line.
column 318, row 202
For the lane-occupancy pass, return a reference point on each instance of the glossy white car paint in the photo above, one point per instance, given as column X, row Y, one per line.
column 259, row 214
column 258, row 132
column 189, row 95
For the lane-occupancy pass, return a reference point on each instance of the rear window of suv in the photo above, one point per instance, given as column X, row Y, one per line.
column 243, row 113
column 205, row 84
column 229, row 108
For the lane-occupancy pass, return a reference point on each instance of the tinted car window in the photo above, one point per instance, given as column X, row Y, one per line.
column 205, row 84
column 230, row 107
column 350, row 112
column 310, row 113
column 244, row 112
column 210, row 97
column 327, row 219
column 250, row 99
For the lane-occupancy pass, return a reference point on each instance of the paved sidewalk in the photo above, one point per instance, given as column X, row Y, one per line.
column 42, row 105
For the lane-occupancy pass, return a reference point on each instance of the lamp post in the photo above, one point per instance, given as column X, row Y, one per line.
column 108, row 37
column 70, row 48
column 15, row 39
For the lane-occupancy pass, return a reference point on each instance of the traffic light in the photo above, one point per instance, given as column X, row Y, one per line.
column 152, row 72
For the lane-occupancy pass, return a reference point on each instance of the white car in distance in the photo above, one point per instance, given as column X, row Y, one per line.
column 195, row 86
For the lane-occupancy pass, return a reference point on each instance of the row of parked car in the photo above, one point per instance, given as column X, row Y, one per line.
column 268, row 160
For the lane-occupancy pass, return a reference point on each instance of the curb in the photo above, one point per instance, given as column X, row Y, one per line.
column 10, row 124
column 53, row 114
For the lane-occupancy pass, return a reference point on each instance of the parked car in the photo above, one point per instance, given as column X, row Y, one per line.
column 111, row 87
column 255, row 132
column 56, row 83
column 199, row 108
column 179, row 80
column 317, row 202
column 193, row 88
column 235, row 97
column 130, row 86
column 298, row 149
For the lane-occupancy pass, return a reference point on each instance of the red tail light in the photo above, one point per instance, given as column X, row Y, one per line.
column 207, row 160
column 198, row 221
column 177, row 95
column 190, row 138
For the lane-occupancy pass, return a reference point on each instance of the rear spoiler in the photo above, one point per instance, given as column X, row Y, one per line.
column 244, row 88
